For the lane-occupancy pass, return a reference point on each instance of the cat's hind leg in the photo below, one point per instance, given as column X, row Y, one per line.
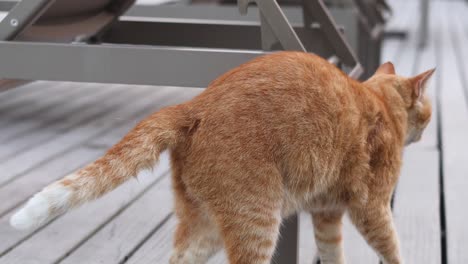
column 328, row 236
column 195, row 241
column 375, row 223
column 249, row 215
column 250, row 235
column 197, row 236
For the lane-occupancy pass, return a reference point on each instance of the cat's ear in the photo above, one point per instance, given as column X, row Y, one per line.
column 386, row 68
column 419, row 83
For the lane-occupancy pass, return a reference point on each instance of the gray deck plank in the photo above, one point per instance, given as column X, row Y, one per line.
column 28, row 116
column 61, row 120
column 7, row 95
column 416, row 207
column 29, row 89
column 26, row 95
column 460, row 37
column 45, row 99
column 454, row 125
column 41, row 93
column 158, row 247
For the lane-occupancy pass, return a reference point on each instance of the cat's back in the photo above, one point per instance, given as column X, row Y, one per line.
column 281, row 83
column 275, row 100
column 280, row 72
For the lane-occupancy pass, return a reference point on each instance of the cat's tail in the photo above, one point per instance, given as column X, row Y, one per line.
column 138, row 150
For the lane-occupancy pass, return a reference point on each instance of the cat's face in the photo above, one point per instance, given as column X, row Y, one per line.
column 413, row 92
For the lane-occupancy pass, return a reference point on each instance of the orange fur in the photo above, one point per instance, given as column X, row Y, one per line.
column 282, row 133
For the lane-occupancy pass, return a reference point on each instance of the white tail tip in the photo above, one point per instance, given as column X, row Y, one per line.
column 41, row 207
column 33, row 214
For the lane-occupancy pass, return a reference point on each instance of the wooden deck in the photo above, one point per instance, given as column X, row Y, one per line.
column 49, row 129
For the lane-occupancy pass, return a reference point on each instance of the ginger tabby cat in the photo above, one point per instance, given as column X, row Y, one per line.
column 282, row 133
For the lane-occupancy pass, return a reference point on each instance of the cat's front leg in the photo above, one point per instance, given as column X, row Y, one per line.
column 375, row 223
column 328, row 237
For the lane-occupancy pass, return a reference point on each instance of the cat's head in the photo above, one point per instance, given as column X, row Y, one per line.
column 413, row 92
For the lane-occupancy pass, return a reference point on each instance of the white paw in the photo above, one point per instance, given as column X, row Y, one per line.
column 42, row 207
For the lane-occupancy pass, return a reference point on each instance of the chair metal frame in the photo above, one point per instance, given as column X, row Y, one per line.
column 104, row 62
column 363, row 34
column 371, row 31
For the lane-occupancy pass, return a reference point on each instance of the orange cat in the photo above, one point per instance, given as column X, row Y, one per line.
column 282, row 133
